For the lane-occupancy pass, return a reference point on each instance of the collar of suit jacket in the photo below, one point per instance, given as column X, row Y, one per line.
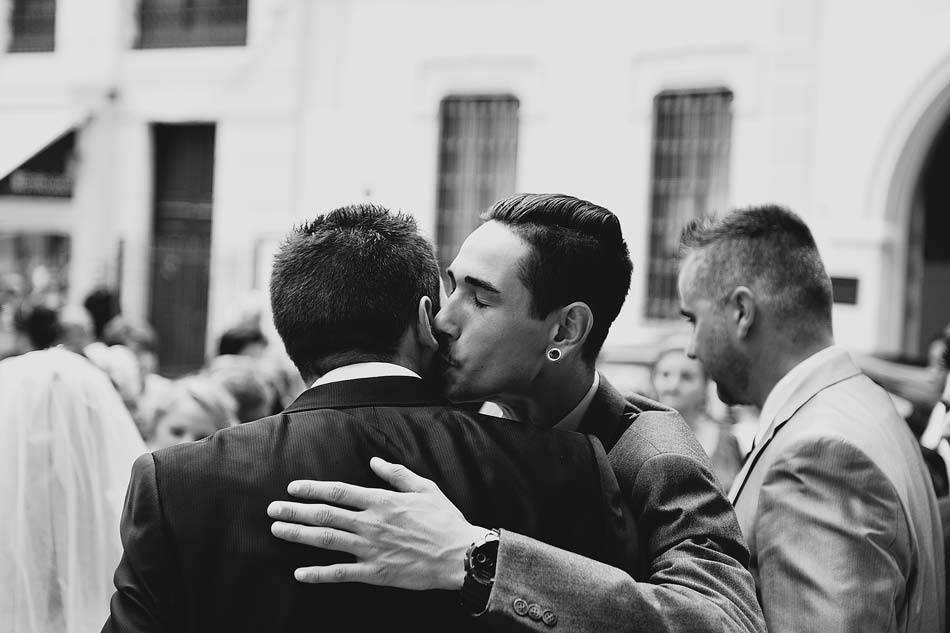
column 836, row 365
column 396, row 391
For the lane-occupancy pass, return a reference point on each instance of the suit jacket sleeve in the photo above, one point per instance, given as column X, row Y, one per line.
column 827, row 533
column 695, row 579
column 144, row 580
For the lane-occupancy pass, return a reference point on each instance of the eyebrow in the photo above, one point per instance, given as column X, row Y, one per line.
column 688, row 315
column 481, row 283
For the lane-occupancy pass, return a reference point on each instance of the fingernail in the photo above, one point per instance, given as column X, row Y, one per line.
column 276, row 528
column 275, row 509
column 298, row 574
column 294, row 487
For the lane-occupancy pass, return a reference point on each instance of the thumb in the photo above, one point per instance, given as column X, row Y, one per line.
column 399, row 477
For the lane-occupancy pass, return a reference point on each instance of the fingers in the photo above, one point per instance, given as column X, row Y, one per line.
column 316, row 514
column 345, row 572
column 400, row 477
column 325, row 538
column 336, row 492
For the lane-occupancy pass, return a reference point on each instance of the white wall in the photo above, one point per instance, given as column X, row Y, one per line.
column 337, row 101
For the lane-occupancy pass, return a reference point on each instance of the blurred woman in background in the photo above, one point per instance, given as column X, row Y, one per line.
column 65, row 460
column 680, row 382
column 189, row 409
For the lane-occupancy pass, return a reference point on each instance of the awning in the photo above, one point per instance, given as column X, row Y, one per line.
column 24, row 133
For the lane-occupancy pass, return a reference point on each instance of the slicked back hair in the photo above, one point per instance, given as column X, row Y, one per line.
column 347, row 285
column 767, row 248
column 577, row 254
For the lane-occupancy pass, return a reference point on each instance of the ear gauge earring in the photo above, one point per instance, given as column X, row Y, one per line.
column 554, row 354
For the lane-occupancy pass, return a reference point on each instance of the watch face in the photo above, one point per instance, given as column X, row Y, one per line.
column 483, row 561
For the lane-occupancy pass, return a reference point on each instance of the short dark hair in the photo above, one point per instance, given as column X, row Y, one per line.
column 39, row 323
column 768, row 247
column 348, row 284
column 577, row 254
column 237, row 339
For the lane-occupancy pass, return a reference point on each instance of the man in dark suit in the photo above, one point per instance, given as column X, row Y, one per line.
column 353, row 293
column 533, row 293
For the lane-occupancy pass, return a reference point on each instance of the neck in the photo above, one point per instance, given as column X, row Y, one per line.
column 776, row 362
column 552, row 396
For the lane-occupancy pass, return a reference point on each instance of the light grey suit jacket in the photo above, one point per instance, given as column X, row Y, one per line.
column 686, row 570
column 840, row 515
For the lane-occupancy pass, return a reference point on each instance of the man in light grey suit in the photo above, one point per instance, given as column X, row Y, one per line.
column 834, row 500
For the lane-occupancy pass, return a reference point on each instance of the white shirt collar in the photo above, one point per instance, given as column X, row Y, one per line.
column 364, row 370
column 572, row 420
column 785, row 388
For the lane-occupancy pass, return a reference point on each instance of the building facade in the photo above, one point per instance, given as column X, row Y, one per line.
column 173, row 141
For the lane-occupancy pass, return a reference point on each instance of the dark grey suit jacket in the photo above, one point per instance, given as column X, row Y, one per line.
column 199, row 555
column 690, row 574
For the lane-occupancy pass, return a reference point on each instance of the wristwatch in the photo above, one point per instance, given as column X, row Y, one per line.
column 480, row 562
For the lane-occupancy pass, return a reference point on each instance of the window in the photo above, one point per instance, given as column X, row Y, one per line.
column 32, row 26
column 181, row 23
column 691, row 132
column 478, row 143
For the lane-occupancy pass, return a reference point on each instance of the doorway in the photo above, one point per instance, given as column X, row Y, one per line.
column 928, row 290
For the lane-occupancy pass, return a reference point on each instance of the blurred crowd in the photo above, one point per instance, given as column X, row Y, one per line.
column 245, row 380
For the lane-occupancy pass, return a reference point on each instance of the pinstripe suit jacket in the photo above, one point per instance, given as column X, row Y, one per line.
column 199, row 555
column 840, row 514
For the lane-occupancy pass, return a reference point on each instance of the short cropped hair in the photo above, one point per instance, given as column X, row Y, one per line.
column 348, row 284
column 763, row 247
column 577, row 254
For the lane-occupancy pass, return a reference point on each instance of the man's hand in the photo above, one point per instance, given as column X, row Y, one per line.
column 412, row 539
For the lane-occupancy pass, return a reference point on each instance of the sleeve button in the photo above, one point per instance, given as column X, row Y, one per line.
column 534, row 612
column 520, row 606
column 549, row 617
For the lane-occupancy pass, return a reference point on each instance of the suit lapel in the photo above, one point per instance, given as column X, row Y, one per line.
column 608, row 416
column 837, row 368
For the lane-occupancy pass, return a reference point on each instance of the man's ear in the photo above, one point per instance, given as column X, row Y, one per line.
column 744, row 310
column 573, row 324
column 424, row 325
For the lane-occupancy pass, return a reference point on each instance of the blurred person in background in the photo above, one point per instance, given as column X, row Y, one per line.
column 76, row 329
column 188, row 409
column 65, row 459
column 244, row 378
column 102, row 304
column 244, row 341
column 680, row 382
column 936, row 436
column 38, row 326
column 138, row 337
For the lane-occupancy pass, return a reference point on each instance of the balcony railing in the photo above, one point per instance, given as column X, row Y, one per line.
column 192, row 23
column 32, row 26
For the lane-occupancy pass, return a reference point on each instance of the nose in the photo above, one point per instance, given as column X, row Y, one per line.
column 444, row 321
column 691, row 348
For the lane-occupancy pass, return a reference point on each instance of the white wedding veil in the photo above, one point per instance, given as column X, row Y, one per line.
column 67, row 445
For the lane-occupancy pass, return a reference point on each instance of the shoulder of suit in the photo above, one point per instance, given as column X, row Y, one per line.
column 656, row 433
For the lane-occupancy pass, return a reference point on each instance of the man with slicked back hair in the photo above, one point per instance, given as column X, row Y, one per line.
column 533, row 292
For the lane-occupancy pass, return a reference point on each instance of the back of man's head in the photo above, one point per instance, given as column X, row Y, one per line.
column 770, row 250
column 577, row 254
column 346, row 286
